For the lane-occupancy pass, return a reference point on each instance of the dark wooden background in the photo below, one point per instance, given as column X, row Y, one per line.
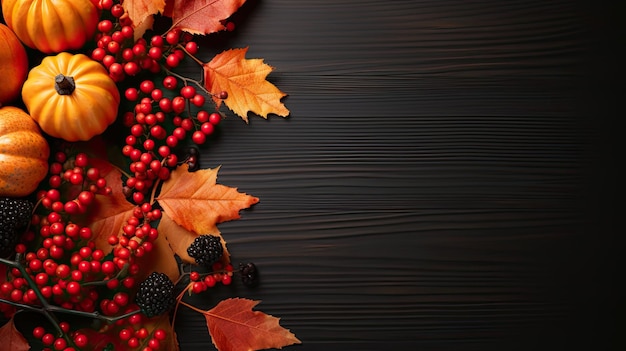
column 443, row 182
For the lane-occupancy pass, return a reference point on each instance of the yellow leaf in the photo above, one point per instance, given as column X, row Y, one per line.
column 246, row 84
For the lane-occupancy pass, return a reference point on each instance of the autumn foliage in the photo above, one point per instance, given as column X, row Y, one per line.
column 193, row 202
column 244, row 79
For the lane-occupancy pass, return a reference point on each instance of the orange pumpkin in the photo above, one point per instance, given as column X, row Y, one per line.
column 71, row 96
column 51, row 26
column 23, row 153
column 13, row 65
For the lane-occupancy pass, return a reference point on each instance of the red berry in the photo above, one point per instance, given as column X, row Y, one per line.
column 157, row 94
column 105, row 26
column 128, row 32
column 158, row 132
column 165, row 104
column 86, row 197
column 157, row 41
column 131, row 94
column 198, row 137
column 108, row 61
column 160, row 334
column 178, row 104
column 121, row 298
column 60, row 344
column 188, row 91
column 172, row 36
column 133, row 342
column 117, row 10
column 198, row 100
column 39, row 332
column 202, row 116
column 117, row 37
column 146, row 86
column 170, row 82
column 192, row 47
column 131, row 68
column 215, row 118
column 71, row 207
column 73, row 288
column 210, row 281
column 155, row 52
column 98, row 54
column 47, row 339
column 113, row 47
column 172, row 60
column 207, row 128
column 81, row 160
column 105, row 4
column 81, row 340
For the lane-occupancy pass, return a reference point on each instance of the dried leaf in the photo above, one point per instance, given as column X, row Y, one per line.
column 108, row 213
column 234, row 326
column 203, row 16
column 141, row 10
column 180, row 238
column 196, row 202
column 12, row 339
column 246, row 84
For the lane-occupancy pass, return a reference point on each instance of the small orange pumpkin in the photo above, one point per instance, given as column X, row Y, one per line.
column 52, row 26
column 71, row 96
column 24, row 153
column 13, row 65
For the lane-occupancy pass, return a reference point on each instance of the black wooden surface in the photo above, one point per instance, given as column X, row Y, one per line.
column 443, row 181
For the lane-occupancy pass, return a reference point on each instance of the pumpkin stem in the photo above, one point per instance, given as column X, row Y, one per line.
column 64, row 85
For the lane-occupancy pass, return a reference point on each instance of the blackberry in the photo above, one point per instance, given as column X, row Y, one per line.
column 206, row 250
column 249, row 274
column 155, row 295
column 15, row 214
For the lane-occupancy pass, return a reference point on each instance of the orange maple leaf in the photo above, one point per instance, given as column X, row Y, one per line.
column 180, row 238
column 196, row 202
column 246, row 84
column 12, row 339
column 202, row 16
column 234, row 326
column 141, row 10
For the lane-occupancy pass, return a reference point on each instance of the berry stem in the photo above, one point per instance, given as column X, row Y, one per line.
column 48, row 310
column 182, row 47
column 185, row 80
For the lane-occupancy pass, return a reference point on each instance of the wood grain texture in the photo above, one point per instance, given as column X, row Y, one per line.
column 436, row 186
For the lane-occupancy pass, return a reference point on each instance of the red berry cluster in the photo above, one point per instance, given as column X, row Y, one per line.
column 50, row 341
column 123, row 55
column 62, row 266
column 65, row 258
column 200, row 282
